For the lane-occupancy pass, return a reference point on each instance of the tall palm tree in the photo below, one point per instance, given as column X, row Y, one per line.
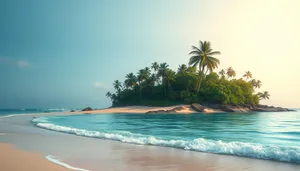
column 161, row 73
column 130, row 81
column 264, row 95
column 247, row 75
column 230, row 72
column 117, row 85
column 155, row 66
column 203, row 57
column 182, row 69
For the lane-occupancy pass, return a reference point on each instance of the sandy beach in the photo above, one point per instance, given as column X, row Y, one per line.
column 136, row 109
column 12, row 159
column 186, row 109
column 142, row 109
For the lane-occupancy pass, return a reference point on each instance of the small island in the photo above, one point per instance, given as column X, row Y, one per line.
column 196, row 84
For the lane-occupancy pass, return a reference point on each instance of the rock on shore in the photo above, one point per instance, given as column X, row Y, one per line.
column 213, row 108
column 174, row 110
column 87, row 109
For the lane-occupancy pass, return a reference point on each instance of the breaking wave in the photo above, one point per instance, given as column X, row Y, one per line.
column 252, row 150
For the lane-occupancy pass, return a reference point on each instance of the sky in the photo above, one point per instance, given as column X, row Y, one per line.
column 67, row 53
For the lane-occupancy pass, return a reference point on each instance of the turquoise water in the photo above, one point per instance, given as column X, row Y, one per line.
column 25, row 111
column 274, row 136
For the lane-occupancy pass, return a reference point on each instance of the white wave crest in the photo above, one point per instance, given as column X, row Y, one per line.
column 40, row 120
column 272, row 152
column 7, row 116
column 56, row 161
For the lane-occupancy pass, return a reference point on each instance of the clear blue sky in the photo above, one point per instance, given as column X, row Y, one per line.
column 66, row 53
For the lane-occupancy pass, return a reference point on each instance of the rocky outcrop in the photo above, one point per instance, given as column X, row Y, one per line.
column 265, row 108
column 87, row 109
column 226, row 108
column 197, row 107
column 72, row 111
column 174, row 110
column 237, row 109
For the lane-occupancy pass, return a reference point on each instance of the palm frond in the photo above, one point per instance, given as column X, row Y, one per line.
column 194, row 60
column 214, row 53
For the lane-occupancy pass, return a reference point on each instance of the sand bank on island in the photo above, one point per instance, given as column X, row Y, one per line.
column 12, row 159
column 184, row 109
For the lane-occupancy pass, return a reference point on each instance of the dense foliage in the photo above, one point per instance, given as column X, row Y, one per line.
column 197, row 83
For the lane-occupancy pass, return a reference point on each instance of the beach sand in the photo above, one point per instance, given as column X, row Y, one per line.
column 143, row 109
column 129, row 109
column 12, row 159
column 186, row 109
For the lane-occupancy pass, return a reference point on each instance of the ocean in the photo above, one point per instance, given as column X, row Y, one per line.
column 4, row 112
column 272, row 136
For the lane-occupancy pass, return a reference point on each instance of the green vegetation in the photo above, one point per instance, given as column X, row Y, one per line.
column 196, row 83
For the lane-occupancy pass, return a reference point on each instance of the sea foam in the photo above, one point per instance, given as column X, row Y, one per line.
column 253, row 150
column 53, row 159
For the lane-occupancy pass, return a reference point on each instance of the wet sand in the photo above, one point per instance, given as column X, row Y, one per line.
column 12, row 159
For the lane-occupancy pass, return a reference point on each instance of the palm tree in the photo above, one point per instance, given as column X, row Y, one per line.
column 182, row 69
column 161, row 73
column 130, row 81
column 141, row 76
column 258, row 84
column 247, row 75
column 152, row 79
column 222, row 72
column 108, row 94
column 230, row 72
column 203, row 57
column 253, row 82
column 169, row 76
column 264, row 95
column 147, row 72
column 117, row 85
column 155, row 66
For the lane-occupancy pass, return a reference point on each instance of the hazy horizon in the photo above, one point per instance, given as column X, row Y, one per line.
column 66, row 54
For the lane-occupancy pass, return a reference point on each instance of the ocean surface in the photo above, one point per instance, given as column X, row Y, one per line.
column 27, row 111
column 272, row 136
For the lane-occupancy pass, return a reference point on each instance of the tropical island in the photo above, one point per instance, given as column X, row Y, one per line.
column 195, row 83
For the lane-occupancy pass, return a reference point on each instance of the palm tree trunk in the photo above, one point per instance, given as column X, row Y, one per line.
column 199, row 84
column 170, row 85
column 165, row 90
column 201, row 78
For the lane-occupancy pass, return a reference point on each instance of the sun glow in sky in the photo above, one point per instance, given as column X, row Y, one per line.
column 67, row 53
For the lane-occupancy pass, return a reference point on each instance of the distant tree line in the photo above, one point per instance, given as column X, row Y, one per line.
column 158, row 85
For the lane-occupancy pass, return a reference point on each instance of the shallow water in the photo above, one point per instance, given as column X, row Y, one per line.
column 274, row 136
column 25, row 111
